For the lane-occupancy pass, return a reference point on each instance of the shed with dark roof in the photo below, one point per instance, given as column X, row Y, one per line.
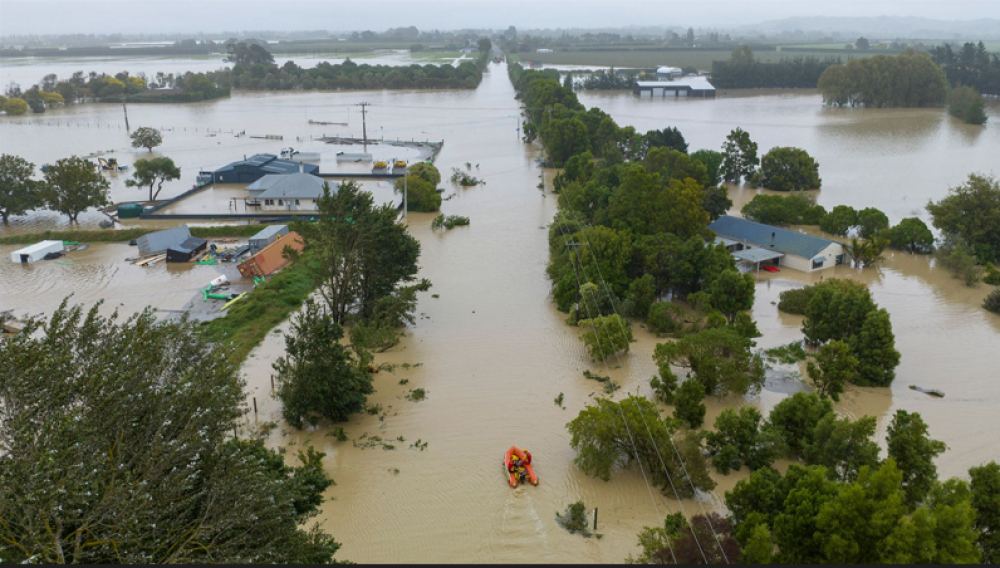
column 801, row 251
column 257, row 166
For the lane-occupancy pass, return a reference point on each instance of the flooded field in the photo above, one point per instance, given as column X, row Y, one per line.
column 27, row 71
column 492, row 350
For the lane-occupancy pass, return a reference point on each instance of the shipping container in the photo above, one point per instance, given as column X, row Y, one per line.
column 271, row 258
column 35, row 252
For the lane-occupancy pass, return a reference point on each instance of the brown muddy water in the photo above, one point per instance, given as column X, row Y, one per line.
column 492, row 351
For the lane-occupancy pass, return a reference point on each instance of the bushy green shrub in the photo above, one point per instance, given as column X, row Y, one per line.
column 992, row 302
column 664, row 317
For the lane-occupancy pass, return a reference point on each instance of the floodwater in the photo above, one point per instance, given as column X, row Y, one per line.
column 27, row 71
column 493, row 352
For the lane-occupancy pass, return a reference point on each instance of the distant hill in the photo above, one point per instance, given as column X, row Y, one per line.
column 885, row 27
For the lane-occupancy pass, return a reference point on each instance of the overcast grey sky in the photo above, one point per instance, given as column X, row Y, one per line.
column 150, row 16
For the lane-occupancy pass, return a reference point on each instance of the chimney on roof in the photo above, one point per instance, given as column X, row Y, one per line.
column 772, row 240
column 301, row 167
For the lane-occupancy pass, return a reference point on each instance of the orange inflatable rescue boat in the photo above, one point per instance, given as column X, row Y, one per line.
column 512, row 477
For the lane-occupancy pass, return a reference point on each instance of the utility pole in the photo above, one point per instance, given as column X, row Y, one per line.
column 126, row 112
column 364, row 125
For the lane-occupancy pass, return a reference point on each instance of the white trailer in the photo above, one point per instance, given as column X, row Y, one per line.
column 35, row 252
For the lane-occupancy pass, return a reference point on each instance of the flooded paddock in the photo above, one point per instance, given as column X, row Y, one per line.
column 492, row 350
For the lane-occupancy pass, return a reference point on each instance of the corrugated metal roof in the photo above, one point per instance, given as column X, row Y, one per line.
column 160, row 241
column 302, row 186
column 758, row 234
column 270, row 163
column 189, row 245
column 757, row 254
column 270, row 231
column 696, row 83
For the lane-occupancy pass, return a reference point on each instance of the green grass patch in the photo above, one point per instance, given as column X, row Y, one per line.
column 248, row 321
column 787, row 354
column 125, row 235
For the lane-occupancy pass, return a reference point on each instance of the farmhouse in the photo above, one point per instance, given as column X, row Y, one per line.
column 292, row 192
column 764, row 245
column 258, row 166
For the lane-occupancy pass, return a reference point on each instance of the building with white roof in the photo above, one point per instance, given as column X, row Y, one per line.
column 683, row 87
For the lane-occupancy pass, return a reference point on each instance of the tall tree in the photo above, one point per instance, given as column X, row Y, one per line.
column 740, row 156
column 875, row 349
column 18, row 192
column 972, row 211
column 788, row 169
column 153, row 173
column 364, row 252
column 72, row 186
column 138, row 460
column 910, row 444
column 796, row 418
column 318, row 377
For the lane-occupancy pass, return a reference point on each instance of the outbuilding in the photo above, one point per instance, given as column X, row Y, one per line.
column 272, row 257
column 258, row 166
column 187, row 250
column 160, row 241
column 764, row 245
column 684, row 87
column 35, row 252
column 267, row 236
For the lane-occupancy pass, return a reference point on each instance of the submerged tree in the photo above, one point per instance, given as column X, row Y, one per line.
column 18, row 192
column 72, row 186
column 116, row 448
column 146, row 137
column 610, row 435
column 153, row 173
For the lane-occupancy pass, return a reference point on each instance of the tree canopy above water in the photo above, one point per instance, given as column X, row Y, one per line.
column 910, row 79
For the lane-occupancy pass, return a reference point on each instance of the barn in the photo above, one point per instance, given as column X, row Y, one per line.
column 257, row 166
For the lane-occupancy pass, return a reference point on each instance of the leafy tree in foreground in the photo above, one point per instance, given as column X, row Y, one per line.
column 788, row 169
column 318, row 377
column 719, row 358
column 116, row 448
column 740, row 156
column 985, row 488
column 680, row 542
column 910, row 444
column 146, row 137
column 689, row 406
column 603, row 443
column 607, row 335
column 18, row 192
column 669, row 137
column 796, row 418
column 72, row 186
column 911, row 235
column 732, row 293
column 715, row 200
column 834, row 367
column 743, row 438
column 153, row 173
column 837, row 310
column 843, row 446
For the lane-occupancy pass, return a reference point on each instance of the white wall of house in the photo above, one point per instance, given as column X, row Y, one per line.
column 827, row 255
column 301, row 204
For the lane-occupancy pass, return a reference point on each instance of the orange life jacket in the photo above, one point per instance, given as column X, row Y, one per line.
column 527, row 459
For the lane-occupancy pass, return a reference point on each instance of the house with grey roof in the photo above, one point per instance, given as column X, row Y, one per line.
column 291, row 192
column 260, row 165
column 764, row 245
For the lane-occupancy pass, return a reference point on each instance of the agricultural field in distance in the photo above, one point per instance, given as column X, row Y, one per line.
column 701, row 59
